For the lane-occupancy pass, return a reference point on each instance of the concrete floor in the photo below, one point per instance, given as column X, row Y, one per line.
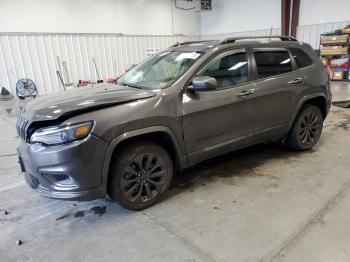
column 264, row 203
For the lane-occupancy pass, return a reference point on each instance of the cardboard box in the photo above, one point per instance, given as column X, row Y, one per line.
column 334, row 50
column 325, row 39
column 338, row 75
column 346, row 30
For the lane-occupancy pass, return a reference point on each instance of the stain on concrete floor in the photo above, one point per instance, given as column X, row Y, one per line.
column 236, row 166
column 10, row 219
column 97, row 210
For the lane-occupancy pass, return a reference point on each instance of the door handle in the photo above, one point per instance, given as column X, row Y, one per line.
column 296, row 81
column 246, row 93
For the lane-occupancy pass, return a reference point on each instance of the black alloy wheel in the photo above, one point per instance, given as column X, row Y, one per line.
column 143, row 178
column 140, row 175
column 307, row 128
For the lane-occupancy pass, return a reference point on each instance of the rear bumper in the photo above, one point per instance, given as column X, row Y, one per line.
column 329, row 102
column 71, row 172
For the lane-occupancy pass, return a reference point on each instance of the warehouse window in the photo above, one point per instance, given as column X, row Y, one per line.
column 272, row 62
column 229, row 70
column 300, row 57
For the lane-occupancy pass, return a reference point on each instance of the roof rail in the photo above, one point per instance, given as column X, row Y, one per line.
column 189, row 42
column 234, row 39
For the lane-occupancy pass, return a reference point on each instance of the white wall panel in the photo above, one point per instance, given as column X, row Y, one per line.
column 34, row 55
column 306, row 33
column 103, row 16
column 323, row 11
column 264, row 32
column 240, row 15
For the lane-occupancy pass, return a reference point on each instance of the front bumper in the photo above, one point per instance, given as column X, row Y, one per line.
column 71, row 171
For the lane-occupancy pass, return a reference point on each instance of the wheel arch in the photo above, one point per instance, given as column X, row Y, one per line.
column 320, row 102
column 160, row 135
column 317, row 99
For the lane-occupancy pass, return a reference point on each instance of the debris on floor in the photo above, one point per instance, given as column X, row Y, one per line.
column 4, row 212
column 19, row 242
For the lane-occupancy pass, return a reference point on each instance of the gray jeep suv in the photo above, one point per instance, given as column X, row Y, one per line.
column 191, row 102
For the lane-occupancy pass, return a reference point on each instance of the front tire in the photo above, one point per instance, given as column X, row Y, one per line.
column 140, row 175
column 307, row 128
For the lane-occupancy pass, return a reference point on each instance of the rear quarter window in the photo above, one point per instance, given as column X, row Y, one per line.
column 300, row 57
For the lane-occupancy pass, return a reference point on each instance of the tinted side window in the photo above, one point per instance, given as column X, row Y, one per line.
column 229, row 70
column 270, row 63
column 300, row 57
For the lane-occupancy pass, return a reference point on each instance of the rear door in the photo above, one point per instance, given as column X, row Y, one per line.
column 278, row 87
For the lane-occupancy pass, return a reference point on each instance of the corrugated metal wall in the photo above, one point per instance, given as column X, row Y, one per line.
column 311, row 33
column 35, row 56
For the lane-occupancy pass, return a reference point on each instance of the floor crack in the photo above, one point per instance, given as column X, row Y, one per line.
column 185, row 241
column 8, row 155
column 311, row 222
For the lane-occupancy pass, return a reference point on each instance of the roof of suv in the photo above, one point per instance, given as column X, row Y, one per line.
column 195, row 45
column 236, row 41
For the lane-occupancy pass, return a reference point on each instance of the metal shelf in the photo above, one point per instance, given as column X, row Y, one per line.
column 332, row 55
column 339, row 69
column 330, row 34
column 336, row 44
column 334, row 69
column 335, row 55
column 344, row 80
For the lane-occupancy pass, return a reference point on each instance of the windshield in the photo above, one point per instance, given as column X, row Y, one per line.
column 160, row 70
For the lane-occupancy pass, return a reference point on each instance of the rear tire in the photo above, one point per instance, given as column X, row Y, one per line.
column 307, row 128
column 140, row 175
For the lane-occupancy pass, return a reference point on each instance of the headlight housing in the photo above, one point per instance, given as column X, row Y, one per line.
column 56, row 135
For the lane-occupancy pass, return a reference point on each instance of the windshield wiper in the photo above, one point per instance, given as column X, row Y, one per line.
column 131, row 85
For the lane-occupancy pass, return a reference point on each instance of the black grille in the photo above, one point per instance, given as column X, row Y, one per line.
column 21, row 127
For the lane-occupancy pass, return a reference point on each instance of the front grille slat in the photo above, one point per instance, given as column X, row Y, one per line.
column 21, row 126
column 17, row 126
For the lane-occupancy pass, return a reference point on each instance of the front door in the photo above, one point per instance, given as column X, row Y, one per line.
column 216, row 121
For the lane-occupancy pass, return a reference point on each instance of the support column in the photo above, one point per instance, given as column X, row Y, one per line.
column 289, row 16
column 295, row 17
column 285, row 13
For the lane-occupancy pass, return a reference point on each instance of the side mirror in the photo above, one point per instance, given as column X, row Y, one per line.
column 201, row 83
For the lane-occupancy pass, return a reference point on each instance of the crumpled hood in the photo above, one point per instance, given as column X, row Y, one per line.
column 82, row 99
